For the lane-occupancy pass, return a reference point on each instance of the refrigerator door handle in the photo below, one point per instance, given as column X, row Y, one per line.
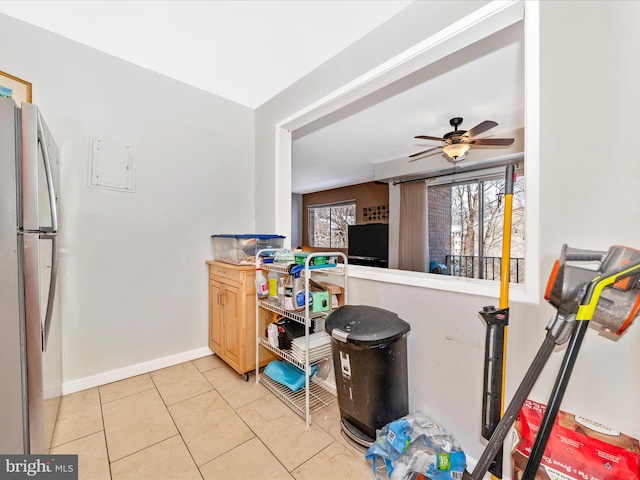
column 52, row 288
column 42, row 141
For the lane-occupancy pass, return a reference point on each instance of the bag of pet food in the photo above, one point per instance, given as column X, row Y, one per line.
column 578, row 448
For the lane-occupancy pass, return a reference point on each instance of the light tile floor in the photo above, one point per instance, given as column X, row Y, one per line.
column 200, row 420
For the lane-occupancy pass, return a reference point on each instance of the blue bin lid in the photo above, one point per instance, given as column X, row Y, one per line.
column 248, row 235
column 365, row 325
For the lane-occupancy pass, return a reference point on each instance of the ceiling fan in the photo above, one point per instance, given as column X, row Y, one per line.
column 458, row 142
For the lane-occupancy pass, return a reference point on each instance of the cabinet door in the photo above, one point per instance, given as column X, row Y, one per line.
column 216, row 316
column 233, row 323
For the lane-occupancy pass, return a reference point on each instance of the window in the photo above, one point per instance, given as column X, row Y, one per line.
column 328, row 224
column 466, row 228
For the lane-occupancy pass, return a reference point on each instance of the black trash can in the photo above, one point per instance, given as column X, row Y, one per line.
column 369, row 347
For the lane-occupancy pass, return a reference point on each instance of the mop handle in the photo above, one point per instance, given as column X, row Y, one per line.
column 505, row 271
column 497, row 321
column 505, row 277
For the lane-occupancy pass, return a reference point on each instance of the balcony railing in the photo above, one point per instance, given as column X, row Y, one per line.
column 488, row 268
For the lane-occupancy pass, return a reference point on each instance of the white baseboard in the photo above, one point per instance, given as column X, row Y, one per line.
column 132, row 370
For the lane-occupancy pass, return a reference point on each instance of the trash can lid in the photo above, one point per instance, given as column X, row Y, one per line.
column 365, row 325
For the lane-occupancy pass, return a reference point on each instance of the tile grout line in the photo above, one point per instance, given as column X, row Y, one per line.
column 273, row 453
column 255, row 434
column 104, row 433
column 195, row 396
column 75, row 439
column 174, row 421
column 184, row 399
column 176, row 425
column 315, row 455
column 129, row 395
column 143, row 449
column 155, row 387
column 55, row 427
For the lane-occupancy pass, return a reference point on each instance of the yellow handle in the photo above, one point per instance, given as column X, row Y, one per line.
column 505, row 276
column 505, row 272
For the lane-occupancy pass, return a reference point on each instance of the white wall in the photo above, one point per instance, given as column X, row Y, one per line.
column 134, row 279
column 296, row 219
column 590, row 83
column 588, row 92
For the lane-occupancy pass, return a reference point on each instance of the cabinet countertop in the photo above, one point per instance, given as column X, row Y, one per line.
column 231, row 265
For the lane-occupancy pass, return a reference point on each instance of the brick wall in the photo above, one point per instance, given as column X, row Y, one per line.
column 439, row 223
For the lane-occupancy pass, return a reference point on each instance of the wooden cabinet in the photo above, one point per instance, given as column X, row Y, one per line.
column 216, row 290
column 232, row 321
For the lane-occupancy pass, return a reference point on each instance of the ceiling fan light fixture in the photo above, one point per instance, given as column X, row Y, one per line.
column 456, row 150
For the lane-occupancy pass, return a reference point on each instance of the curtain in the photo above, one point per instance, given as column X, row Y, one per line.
column 414, row 236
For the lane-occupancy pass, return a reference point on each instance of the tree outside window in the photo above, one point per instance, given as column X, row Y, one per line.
column 468, row 221
column 328, row 224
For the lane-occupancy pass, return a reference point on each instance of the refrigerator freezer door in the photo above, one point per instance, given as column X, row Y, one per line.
column 50, row 158
column 39, row 173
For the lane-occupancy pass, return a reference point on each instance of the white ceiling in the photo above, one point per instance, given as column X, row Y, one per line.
column 243, row 50
column 485, row 81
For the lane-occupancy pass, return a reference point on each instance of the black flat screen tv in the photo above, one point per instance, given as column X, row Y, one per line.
column 369, row 240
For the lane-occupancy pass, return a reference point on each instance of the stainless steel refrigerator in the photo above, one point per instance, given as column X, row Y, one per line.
column 30, row 340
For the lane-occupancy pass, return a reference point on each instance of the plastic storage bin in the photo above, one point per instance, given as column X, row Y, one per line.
column 242, row 249
column 369, row 347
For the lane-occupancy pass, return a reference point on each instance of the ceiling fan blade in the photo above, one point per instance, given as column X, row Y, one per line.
column 423, row 152
column 481, row 128
column 427, row 137
column 491, row 141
